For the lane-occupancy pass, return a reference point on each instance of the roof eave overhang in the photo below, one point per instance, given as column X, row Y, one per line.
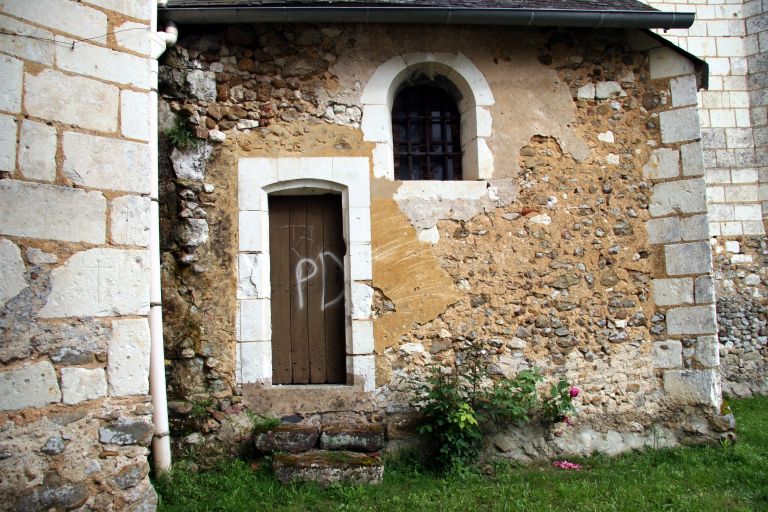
column 432, row 15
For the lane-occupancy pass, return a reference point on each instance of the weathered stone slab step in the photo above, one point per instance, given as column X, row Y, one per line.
column 360, row 438
column 287, row 438
column 329, row 467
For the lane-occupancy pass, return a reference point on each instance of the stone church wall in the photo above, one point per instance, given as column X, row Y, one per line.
column 583, row 251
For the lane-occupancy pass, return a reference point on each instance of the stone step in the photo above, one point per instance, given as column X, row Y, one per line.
column 359, row 438
column 326, row 468
column 287, row 438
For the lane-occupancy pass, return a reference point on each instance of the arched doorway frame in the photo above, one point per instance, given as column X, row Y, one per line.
column 257, row 178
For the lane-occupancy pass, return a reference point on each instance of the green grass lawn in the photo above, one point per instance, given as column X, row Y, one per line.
column 715, row 478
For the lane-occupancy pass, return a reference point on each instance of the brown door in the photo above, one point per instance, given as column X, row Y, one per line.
column 306, row 248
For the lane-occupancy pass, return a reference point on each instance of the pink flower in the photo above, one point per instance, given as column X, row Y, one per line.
column 567, row 420
column 564, row 464
column 574, row 392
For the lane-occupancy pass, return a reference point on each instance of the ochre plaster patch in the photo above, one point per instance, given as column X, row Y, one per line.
column 407, row 272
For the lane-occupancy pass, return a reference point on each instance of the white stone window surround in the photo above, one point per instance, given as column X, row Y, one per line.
column 259, row 177
column 379, row 95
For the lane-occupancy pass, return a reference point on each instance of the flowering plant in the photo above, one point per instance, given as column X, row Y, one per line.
column 559, row 404
column 460, row 403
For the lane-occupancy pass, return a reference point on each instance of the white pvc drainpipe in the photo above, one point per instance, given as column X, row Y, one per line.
column 161, row 442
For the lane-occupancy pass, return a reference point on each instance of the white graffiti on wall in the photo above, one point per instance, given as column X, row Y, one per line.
column 307, row 268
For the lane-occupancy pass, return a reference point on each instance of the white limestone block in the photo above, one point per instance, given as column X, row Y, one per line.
column 363, row 371
column 362, row 337
column 666, row 62
column 362, row 301
column 100, row 282
column 377, row 89
column 664, row 163
column 692, row 320
column 135, row 114
column 252, row 175
column 56, row 213
column 7, row 143
column 689, row 258
column 37, row 151
column 134, row 36
column 318, row 168
column 383, row 161
column 103, row 63
column 707, row 351
column 81, row 384
column 361, row 269
column 70, row 17
column 684, row 91
column 684, row 196
column 253, row 231
column 33, row 385
column 255, row 320
column 139, row 9
column 128, row 357
column 698, row 387
column 290, row 168
column 664, row 230
column 376, row 124
column 256, row 362
column 679, row 125
column 253, row 280
column 48, row 95
column 485, row 162
column 695, row 227
column 672, row 292
column 11, row 271
column 605, row 90
column 107, row 163
column 130, row 220
column 12, row 71
column 668, row 354
column 31, row 44
column 693, row 159
column 359, row 225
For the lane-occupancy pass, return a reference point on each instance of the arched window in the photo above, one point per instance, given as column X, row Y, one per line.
column 426, row 136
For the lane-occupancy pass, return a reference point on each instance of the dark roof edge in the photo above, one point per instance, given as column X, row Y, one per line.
column 435, row 15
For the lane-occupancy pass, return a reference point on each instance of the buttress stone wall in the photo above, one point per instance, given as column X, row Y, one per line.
column 731, row 38
column 75, row 417
column 580, row 246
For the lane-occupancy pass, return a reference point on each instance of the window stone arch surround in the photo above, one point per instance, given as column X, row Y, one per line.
column 476, row 96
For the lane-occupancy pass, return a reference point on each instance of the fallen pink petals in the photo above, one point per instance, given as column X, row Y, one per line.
column 564, row 464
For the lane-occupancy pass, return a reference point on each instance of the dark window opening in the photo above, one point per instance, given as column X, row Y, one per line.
column 425, row 130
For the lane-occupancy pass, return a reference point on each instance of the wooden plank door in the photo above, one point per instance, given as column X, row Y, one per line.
column 307, row 250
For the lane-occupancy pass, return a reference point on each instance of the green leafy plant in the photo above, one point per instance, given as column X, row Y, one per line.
column 200, row 407
column 181, row 135
column 261, row 423
column 559, row 404
column 460, row 403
